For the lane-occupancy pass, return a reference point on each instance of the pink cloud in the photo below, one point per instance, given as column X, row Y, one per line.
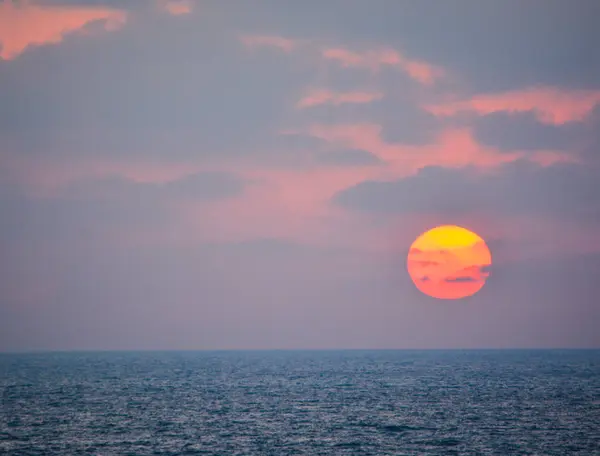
column 319, row 97
column 373, row 60
column 348, row 58
column 284, row 204
column 296, row 203
column 178, row 7
column 452, row 148
column 551, row 105
column 278, row 42
column 23, row 25
column 421, row 72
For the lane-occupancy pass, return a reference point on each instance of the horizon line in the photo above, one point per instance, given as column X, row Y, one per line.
column 212, row 350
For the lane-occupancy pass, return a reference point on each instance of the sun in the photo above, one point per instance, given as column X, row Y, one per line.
column 449, row 262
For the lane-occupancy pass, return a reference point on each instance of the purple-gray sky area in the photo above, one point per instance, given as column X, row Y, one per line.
column 220, row 174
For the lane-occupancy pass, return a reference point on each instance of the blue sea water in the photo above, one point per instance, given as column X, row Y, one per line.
column 301, row 403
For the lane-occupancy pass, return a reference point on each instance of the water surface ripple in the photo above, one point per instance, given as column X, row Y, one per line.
column 301, row 403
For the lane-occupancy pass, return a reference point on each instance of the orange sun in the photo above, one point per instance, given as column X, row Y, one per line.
column 449, row 262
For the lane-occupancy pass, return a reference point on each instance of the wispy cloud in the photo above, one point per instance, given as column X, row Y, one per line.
column 27, row 24
column 403, row 159
column 177, row 7
column 550, row 105
column 374, row 60
column 46, row 177
column 324, row 96
column 290, row 204
column 270, row 41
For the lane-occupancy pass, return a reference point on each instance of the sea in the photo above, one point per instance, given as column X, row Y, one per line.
column 349, row 402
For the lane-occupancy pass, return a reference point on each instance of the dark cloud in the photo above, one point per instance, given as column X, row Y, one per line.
column 562, row 190
column 410, row 129
column 291, row 151
column 91, row 209
column 426, row 263
column 404, row 122
column 298, row 142
column 203, row 186
column 462, row 279
column 435, row 189
column 349, row 157
column 67, row 222
column 589, row 143
column 522, row 131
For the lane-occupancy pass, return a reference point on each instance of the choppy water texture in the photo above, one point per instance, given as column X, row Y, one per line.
column 286, row 403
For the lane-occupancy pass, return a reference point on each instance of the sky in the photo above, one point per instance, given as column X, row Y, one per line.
column 251, row 175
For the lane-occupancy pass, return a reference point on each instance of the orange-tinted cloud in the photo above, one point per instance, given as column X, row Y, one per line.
column 550, row 105
column 25, row 24
column 319, row 97
column 178, row 7
column 278, row 42
column 420, row 71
